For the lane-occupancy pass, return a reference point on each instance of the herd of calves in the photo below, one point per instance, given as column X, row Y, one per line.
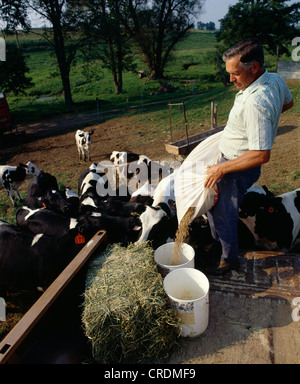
column 53, row 225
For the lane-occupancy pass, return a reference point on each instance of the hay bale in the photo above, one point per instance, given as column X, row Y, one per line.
column 127, row 314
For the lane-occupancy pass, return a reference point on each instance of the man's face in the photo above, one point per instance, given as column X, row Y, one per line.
column 240, row 76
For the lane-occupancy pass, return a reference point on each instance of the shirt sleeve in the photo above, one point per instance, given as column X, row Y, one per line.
column 259, row 127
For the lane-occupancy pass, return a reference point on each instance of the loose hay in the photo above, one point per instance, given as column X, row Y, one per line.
column 127, row 314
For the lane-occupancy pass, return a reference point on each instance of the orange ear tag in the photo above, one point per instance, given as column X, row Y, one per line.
column 79, row 239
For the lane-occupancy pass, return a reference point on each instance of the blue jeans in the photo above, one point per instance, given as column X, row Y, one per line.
column 223, row 217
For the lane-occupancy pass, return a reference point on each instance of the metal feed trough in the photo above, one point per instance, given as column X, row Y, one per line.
column 50, row 329
column 185, row 146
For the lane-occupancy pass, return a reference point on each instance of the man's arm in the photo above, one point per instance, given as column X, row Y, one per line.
column 250, row 159
column 287, row 106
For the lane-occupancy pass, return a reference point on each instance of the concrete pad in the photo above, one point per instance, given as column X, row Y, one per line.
column 253, row 318
column 243, row 330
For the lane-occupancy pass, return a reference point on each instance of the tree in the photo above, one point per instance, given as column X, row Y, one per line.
column 14, row 15
column 201, row 25
column 101, row 23
column 64, row 35
column 13, row 72
column 156, row 26
column 61, row 14
column 273, row 22
column 211, row 26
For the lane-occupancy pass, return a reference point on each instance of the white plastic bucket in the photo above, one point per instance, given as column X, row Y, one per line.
column 188, row 290
column 163, row 257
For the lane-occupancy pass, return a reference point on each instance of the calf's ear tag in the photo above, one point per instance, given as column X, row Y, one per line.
column 79, row 239
column 271, row 210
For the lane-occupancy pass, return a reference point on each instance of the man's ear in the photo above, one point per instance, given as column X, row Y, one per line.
column 255, row 67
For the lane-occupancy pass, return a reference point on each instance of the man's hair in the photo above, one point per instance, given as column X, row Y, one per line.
column 249, row 50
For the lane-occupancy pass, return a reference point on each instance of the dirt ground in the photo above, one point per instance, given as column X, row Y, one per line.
column 51, row 146
column 242, row 329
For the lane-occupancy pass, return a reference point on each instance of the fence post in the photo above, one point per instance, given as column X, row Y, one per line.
column 214, row 115
column 221, row 69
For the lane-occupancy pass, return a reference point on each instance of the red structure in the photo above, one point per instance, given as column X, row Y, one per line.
column 6, row 123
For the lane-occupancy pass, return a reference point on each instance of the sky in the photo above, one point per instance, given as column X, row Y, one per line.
column 214, row 10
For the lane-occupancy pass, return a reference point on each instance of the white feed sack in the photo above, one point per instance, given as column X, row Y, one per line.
column 189, row 180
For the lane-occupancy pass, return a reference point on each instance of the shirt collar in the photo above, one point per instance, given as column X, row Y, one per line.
column 253, row 86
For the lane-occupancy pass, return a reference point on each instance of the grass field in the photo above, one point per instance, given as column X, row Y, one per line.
column 192, row 70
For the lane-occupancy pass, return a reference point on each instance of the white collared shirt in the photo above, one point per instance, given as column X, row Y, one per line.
column 254, row 117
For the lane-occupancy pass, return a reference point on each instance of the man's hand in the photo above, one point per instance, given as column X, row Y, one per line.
column 214, row 173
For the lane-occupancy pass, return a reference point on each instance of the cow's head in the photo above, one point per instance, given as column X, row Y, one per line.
column 85, row 136
column 30, row 169
column 124, row 157
column 54, row 201
column 274, row 223
column 118, row 207
column 88, row 135
column 255, row 198
column 119, row 229
column 156, row 225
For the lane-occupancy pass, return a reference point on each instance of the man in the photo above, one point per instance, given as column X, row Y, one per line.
column 245, row 144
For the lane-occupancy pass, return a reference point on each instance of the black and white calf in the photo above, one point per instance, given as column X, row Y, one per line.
column 39, row 187
column 43, row 192
column 44, row 221
column 115, row 207
column 92, row 188
column 159, row 221
column 123, row 157
column 33, row 253
column 164, row 193
column 144, row 194
column 29, row 260
column 157, row 225
column 83, row 142
column 11, row 177
column 135, row 170
column 274, row 222
column 72, row 198
column 126, row 165
column 120, row 229
column 95, row 195
column 47, row 222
